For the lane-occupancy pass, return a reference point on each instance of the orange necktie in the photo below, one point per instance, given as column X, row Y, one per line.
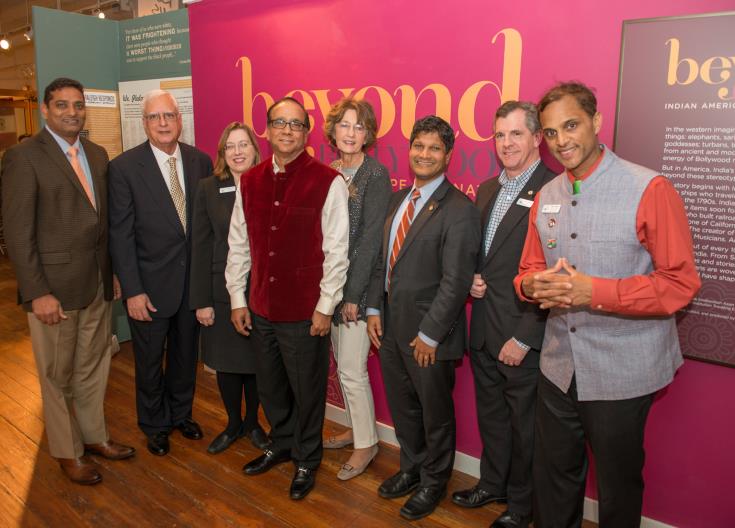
column 406, row 221
column 73, row 151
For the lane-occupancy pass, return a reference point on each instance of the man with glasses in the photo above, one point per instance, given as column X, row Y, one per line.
column 291, row 236
column 151, row 191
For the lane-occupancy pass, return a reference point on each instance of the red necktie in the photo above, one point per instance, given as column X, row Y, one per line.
column 406, row 221
column 80, row 174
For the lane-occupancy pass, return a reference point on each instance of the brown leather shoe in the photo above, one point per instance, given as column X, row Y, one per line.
column 80, row 470
column 111, row 450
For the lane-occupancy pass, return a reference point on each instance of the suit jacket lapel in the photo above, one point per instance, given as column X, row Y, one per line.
column 154, row 179
column 54, row 152
column 515, row 212
column 427, row 211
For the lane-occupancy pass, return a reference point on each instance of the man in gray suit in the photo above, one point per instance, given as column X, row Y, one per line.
column 417, row 294
column 55, row 214
column 609, row 252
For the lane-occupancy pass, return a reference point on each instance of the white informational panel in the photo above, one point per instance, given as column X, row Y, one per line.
column 131, row 107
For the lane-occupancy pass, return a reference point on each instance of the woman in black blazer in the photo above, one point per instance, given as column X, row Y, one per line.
column 223, row 349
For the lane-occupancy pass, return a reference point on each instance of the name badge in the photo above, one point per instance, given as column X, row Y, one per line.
column 524, row 202
column 551, row 208
column 224, row 190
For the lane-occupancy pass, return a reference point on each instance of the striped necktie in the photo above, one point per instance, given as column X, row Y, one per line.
column 406, row 221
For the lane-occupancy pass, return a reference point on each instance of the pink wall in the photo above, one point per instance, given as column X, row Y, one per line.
column 322, row 47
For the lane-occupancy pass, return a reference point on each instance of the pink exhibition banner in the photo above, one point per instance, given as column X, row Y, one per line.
column 458, row 60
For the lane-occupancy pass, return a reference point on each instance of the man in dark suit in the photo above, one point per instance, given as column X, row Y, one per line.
column 152, row 188
column 55, row 214
column 505, row 332
column 417, row 293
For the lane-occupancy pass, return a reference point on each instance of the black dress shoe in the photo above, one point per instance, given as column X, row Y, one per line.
column 158, row 443
column 302, row 483
column 190, row 429
column 257, row 437
column 265, row 461
column 422, row 503
column 398, row 485
column 476, row 497
column 509, row 519
column 221, row 442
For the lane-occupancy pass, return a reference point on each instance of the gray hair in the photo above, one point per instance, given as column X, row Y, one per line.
column 532, row 121
column 153, row 94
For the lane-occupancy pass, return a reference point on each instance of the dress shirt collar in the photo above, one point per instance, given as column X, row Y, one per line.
column 428, row 189
column 162, row 157
column 520, row 181
column 64, row 144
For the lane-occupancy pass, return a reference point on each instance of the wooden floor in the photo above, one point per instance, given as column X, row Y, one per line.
column 189, row 487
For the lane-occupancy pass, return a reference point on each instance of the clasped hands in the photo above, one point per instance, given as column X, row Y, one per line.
column 560, row 286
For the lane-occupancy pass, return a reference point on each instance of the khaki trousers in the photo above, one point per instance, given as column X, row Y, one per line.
column 73, row 362
column 351, row 345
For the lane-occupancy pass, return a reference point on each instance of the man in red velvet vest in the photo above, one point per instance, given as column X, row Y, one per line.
column 291, row 236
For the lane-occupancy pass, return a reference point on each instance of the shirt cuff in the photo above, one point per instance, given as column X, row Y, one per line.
column 326, row 305
column 429, row 341
column 604, row 294
column 237, row 300
column 372, row 311
column 521, row 344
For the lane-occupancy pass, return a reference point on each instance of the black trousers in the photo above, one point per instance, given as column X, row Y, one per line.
column 614, row 431
column 165, row 352
column 292, row 369
column 421, row 404
column 506, row 409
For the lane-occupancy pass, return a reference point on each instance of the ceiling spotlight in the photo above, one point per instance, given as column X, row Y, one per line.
column 100, row 14
column 28, row 34
column 4, row 43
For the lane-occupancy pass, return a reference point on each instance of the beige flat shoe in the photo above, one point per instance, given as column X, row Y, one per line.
column 348, row 472
column 335, row 443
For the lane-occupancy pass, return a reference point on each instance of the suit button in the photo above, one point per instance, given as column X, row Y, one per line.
column 182, row 263
column 573, row 235
column 573, row 329
column 271, row 253
column 272, row 279
column 273, row 228
column 574, row 202
column 276, row 203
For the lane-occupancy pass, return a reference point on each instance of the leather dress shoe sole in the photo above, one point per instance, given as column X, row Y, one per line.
column 476, row 497
column 110, row 450
column 398, row 485
column 302, row 483
column 158, row 444
column 221, row 442
column 422, row 504
column 265, row 462
column 190, row 429
column 80, row 471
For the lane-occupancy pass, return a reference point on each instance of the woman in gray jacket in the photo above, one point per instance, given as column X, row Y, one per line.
column 351, row 129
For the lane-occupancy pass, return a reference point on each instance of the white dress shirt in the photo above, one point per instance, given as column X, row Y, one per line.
column 162, row 160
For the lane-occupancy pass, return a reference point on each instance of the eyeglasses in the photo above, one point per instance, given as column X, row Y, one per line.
column 295, row 125
column 359, row 128
column 230, row 147
column 167, row 116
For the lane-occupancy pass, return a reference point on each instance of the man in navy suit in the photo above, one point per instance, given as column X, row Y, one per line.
column 151, row 192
